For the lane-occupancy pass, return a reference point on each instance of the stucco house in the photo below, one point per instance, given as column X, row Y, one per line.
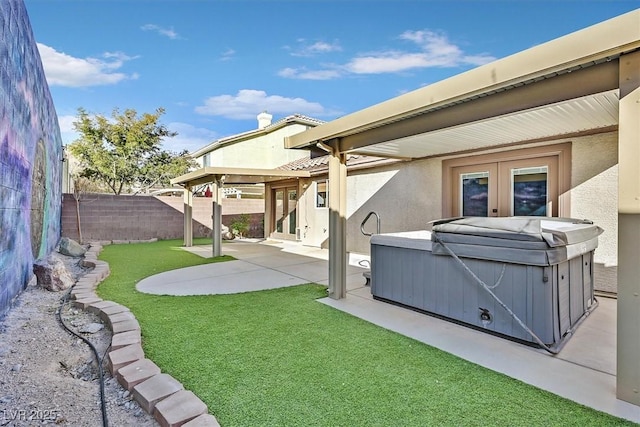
column 257, row 148
column 553, row 130
column 558, row 123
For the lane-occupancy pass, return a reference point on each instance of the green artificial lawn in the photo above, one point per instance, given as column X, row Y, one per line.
column 280, row 358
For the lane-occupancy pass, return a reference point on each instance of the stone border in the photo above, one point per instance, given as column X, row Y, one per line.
column 157, row 393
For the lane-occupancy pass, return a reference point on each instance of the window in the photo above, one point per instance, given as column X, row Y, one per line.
column 321, row 195
column 524, row 182
column 529, row 193
column 475, row 193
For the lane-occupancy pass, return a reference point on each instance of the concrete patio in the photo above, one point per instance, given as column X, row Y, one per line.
column 584, row 371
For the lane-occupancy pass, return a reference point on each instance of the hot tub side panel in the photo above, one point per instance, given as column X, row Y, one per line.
column 439, row 285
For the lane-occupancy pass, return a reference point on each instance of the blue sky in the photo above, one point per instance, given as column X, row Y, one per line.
column 213, row 65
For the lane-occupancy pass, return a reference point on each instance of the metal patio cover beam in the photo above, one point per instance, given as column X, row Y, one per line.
column 236, row 176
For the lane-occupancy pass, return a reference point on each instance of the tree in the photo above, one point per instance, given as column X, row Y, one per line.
column 125, row 151
column 161, row 167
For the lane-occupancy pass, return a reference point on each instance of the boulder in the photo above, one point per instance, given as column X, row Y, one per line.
column 52, row 274
column 71, row 248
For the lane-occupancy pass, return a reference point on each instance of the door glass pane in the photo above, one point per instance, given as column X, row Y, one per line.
column 292, row 196
column 529, row 191
column 321, row 194
column 279, row 207
column 474, row 194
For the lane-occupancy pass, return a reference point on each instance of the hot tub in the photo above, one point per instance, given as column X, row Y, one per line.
column 525, row 278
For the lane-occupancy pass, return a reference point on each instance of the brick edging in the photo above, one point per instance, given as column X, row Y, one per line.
column 158, row 393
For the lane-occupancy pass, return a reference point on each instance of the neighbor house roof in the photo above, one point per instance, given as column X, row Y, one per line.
column 319, row 165
column 286, row 121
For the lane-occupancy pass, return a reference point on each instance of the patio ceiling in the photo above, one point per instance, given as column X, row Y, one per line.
column 591, row 113
column 236, row 176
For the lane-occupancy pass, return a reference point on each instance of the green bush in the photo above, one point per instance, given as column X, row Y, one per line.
column 240, row 225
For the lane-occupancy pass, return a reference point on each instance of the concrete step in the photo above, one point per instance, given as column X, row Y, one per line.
column 155, row 389
column 96, row 307
column 204, row 420
column 88, row 287
column 134, row 373
column 84, row 303
column 120, row 317
column 123, row 357
column 178, row 409
column 83, row 294
column 127, row 325
column 124, row 339
column 115, row 309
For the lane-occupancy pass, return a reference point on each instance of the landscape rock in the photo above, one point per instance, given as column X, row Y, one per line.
column 52, row 274
column 71, row 248
column 91, row 328
column 45, row 368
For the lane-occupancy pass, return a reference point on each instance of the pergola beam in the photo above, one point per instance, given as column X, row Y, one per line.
column 217, row 215
column 188, row 216
column 628, row 339
column 337, row 224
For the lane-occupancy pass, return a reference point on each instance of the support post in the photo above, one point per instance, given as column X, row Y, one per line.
column 216, row 228
column 337, row 225
column 628, row 338
column 188, row 216
column 268, row 211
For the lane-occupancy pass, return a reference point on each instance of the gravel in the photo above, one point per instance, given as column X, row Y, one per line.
column 49, row 376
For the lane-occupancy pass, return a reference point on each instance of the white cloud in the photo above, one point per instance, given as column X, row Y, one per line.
column 435, row 50
column 227, row 55
column 168, row 32
column 66, row 123
column 312, row 49
column 189, row 137
column 432, row 50
column 304, row 74
column 247, row 103
column 65, row 70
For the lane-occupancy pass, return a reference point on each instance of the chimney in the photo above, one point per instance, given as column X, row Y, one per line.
column 264, row 120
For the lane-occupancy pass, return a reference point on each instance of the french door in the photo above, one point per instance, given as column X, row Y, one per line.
column 526, row 187
column 285, row 211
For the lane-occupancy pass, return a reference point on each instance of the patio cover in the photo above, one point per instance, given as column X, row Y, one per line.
column 218, row 176
column 583, row 83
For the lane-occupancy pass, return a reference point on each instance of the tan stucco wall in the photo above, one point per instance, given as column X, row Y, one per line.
column 594, row 195
column 405, row 195
column 265, row 151
column 313, row 221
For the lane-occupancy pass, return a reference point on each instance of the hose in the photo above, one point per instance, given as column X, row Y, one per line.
column 99, row 360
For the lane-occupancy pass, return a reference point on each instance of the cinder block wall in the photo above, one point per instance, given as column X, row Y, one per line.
column 107, row 217
column 30, row 154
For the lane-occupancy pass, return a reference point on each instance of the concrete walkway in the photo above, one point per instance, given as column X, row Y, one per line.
column 584, row 371
column 258, row 266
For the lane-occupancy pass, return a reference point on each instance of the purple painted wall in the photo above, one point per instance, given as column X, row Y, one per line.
column 30, row 155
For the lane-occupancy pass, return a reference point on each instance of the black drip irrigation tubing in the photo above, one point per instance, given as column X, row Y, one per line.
column 99, row 360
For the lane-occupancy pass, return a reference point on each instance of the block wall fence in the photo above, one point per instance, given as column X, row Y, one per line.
column 105, row 217
column 30, row 156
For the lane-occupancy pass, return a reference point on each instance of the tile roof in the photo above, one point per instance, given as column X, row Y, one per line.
column 321, row 164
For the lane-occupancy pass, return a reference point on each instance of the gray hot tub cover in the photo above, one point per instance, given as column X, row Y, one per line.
column 523, row 240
